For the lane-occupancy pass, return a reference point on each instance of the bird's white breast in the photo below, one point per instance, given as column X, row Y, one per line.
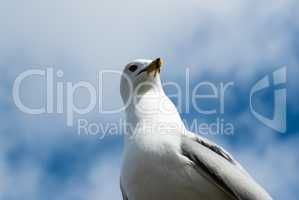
column 153, row 167
column 151, row 172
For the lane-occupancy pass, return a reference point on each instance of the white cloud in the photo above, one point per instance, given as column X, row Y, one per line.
column 102, row 181
column 18, row 182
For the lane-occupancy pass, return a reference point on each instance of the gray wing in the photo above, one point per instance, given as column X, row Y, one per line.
column 124, row 195
column 214, row 163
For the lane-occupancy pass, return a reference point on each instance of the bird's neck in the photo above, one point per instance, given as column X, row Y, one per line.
column 152, row 108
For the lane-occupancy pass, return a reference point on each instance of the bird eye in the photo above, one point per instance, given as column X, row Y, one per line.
column 133, row 68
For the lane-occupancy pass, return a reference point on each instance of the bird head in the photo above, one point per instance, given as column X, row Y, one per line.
column 140, row 76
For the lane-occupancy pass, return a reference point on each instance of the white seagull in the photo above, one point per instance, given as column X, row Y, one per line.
column 163, row 160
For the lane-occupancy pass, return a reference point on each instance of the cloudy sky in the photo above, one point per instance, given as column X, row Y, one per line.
column 218, row 41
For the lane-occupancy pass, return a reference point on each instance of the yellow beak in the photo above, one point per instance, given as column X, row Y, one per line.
column 154, row 66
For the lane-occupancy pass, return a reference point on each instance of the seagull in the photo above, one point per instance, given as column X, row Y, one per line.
column 162, row 160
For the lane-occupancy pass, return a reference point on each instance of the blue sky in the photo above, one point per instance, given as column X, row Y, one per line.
column 219, row 41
